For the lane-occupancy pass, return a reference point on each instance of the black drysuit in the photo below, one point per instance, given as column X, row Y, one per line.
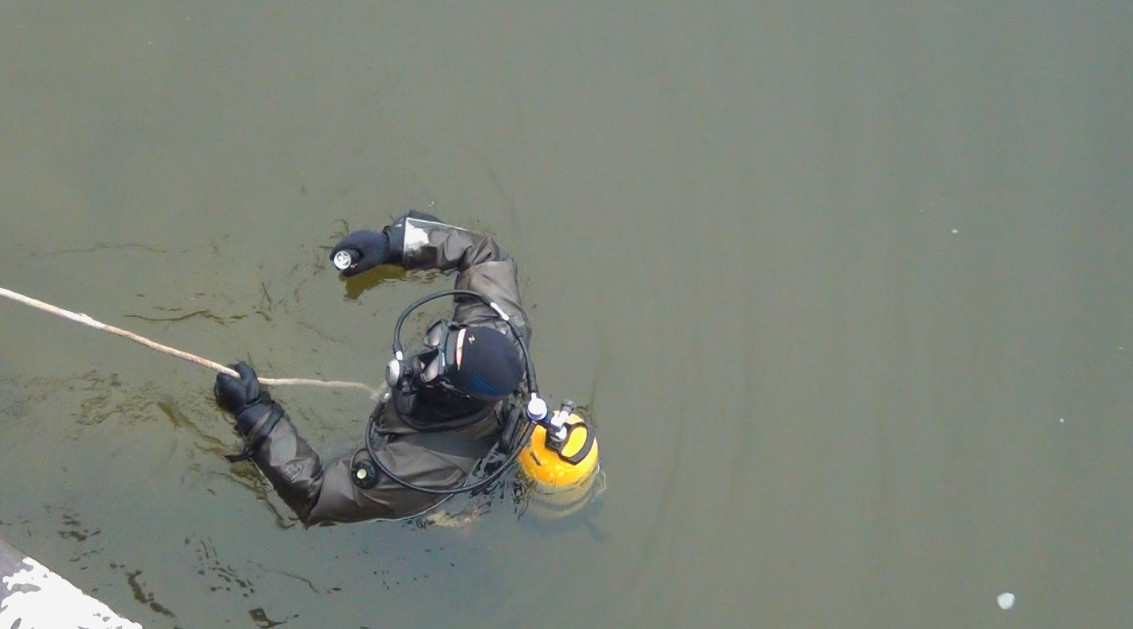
column 431, row 443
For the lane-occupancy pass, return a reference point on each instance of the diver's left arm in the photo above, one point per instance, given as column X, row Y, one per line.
column 270, row 440
column 316, row 493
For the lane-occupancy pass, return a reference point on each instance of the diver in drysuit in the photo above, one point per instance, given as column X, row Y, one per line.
column 447, row 403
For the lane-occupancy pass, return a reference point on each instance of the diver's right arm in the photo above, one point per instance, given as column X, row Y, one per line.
column 419, row 241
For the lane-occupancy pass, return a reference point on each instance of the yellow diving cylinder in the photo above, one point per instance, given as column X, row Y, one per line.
column 561, row 471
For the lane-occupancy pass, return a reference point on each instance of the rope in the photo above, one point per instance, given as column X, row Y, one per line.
column 79, row 317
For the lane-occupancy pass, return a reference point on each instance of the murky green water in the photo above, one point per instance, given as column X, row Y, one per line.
column 846, row 289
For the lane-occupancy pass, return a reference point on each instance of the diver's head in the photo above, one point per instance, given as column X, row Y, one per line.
column 479, row 362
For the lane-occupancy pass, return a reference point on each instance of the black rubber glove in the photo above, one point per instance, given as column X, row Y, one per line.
column 242, row 396
column 367, row 248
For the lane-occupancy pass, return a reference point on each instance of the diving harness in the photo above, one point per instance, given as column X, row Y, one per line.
column 560, row 453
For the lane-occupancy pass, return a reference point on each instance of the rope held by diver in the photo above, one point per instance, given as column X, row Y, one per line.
column 165, row 349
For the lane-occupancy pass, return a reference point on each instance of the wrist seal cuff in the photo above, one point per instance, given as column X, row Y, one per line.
column 261, row 427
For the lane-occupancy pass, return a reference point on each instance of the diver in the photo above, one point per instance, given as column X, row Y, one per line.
column 448, row 404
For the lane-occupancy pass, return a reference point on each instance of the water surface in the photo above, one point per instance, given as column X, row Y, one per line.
column 845, row 288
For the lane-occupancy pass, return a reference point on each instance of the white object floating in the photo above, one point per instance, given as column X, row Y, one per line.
column 1006, row 600
column 32, row 595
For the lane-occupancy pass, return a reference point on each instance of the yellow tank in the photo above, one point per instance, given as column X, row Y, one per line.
column 561, row 479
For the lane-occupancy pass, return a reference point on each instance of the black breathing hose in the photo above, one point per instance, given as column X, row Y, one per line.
column 532, row 388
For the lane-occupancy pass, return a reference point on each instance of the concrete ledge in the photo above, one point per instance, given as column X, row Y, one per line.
column 33, row 596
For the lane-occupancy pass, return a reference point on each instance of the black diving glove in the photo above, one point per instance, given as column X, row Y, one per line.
column 367, row 249
column 242, row 396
